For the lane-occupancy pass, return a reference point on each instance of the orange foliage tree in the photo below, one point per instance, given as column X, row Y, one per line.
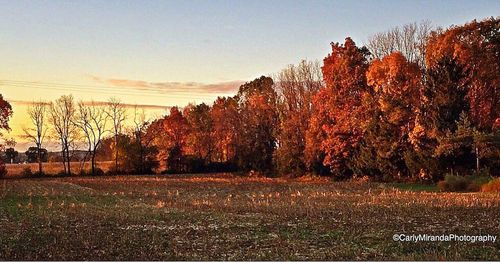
column 340, row 116
column 170, row 136
column 397, row 85
column 199, row 140
column 225, row 128
column 475, row 47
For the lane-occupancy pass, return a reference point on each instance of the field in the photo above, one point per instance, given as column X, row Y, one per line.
column 225, row 217
column 53, row 168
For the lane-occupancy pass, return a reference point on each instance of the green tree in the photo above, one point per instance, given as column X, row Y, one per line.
column 11, row 154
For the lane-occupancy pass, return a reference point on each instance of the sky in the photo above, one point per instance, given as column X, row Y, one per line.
column 165, row 53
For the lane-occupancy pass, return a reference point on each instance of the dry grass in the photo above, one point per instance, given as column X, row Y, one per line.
column 224, row 217
column 52, row 168
column 492, row 186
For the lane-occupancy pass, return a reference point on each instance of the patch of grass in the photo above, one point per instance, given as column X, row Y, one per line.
column 416, row 187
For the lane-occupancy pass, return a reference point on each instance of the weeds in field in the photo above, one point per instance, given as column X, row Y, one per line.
column 210, row 217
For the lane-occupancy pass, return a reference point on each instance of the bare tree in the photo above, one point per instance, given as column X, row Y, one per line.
column 410, row 40
column 140, row 127
column 36, row 133
column 117, row 113
column 295, row 85
column 62, row 114
column 91, row 119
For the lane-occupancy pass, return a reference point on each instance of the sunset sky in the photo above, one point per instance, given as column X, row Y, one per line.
column 164, row 53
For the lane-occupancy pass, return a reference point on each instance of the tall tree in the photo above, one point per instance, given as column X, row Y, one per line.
column 225, row 120
column 475, row 48
column 142, row 153
column 257, row 100
column 91, row 118
column 200, row 138
column 443, row 99
column 170, row 136
column 62, row 114
column 295, row 85
column 341, row 113
column 117, row 114
column 397, row 87
column 37, row 112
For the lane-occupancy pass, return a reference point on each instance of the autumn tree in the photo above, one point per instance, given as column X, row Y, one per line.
column 225, row 120
column 257, row 102
column 460, row 84
column 296, row 86
column 341, row 113
column 61, row 117
column 5, row 115
column 37, row 113
column 200, row 141
column 396, row 83
column 136, row 158
column 475, row 49
column 117, row 114
column 442, row 100
column 170, row 136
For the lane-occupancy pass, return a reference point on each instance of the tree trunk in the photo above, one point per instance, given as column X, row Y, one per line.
column 69, row 163
column 85, row 157
column 142, row 167
column 39, row 161
column 116, row 153
column 93, row 163
column 63, row 153
column 477, row 159
column 68, row 159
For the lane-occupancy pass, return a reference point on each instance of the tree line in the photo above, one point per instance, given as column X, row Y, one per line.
column 415, row 102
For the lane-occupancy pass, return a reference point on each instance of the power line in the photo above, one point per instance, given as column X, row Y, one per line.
column 51, row 84
column 99, row 89
column 104, row 91
column 109, row 92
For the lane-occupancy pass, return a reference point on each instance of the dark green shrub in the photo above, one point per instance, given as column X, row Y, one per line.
column 98, row 172
column 452, row 183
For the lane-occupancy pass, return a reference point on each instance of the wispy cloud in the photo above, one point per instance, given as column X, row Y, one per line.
column 172, row 87
column 24, row 102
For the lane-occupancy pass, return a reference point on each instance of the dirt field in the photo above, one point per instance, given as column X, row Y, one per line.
column 222, row 217
column 52, row 168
